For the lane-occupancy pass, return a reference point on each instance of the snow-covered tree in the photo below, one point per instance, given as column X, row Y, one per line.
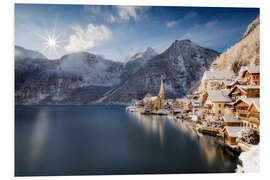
column 247, row 135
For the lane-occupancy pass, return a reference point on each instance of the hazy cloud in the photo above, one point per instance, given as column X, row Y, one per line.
column 126, row 13
column 211, row 24
column 88, row 38
column 172, row 24
column 188, row 16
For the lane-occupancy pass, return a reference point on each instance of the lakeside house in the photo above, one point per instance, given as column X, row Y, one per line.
column 248, row 111
column 231, row 133
column 214, row 104
column 225, row 105
column 230, row 121
column 254, row 116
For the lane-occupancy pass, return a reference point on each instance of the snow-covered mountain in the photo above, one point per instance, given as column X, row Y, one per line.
column 181, row 65
column 93, row 69
column 22, row 53
column 145, row 55
column 84, row 78
column 137, row 62
column 75, row 78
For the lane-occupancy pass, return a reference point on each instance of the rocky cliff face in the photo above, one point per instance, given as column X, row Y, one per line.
column 84, row 78
column 177, row 65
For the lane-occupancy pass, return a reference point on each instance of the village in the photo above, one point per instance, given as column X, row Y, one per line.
column 226, row 105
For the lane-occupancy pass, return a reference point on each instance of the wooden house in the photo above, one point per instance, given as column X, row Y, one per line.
column 214, row 102
column 231, row 133
column 231, row 121
column 253, row 121
column 251, row 75
column 241, row 106
column 244, row 91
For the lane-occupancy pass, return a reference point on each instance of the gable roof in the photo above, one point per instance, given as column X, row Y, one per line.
column 153, row 98
column 233, row 131
column 218, row 75
column 243, row 88
column 218, row 96
column 256, row 103
column 250, row 69
column 247, row 100
column 230, row 119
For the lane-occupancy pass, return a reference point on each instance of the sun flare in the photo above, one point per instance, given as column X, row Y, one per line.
column 51, row 42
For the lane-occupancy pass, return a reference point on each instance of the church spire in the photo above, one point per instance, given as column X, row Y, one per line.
column 161, row 90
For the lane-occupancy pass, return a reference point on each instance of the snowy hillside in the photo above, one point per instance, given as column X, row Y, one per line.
column 22, row 53
column 245, row 52
column 93, row 69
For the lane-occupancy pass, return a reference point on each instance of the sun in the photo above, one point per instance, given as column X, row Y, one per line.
column 51, row 42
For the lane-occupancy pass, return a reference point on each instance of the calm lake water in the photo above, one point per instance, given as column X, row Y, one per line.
column 88, row 140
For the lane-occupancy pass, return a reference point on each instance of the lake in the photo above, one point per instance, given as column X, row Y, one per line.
column 105, row 139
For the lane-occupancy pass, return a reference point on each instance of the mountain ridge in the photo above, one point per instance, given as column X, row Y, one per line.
column 85, row 78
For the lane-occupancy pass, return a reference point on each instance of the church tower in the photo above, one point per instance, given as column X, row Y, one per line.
column 161, row 94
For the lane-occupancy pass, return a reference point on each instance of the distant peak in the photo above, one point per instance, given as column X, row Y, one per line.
column 183, row 41
column 149, row 49
column 147, row 54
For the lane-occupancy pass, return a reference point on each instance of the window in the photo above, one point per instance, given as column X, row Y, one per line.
column 219, row 105
column 219, row 112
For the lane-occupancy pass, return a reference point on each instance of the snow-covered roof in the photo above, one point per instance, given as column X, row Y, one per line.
column 153, row 98
column 226, row 92
column 227, row 82
column 233, row 131
column 184, row 100
column 243, row 88
column 215, row 81
column 256, row 103
column 250, row 69
column 218, row 75
column 230, row 119
column 248, row 100
column 248, row 87
column 218, row 96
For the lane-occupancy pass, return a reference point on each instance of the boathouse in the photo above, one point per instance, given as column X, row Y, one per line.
column 231, row 133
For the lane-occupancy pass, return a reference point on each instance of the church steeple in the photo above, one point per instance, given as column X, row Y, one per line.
column 161, row 90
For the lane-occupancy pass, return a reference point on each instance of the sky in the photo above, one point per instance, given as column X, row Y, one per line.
column 118, row 32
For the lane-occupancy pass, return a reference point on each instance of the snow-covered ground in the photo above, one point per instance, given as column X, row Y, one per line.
column 250, row 160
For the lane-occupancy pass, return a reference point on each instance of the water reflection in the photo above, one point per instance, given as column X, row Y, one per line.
column 210, row 148
column 39, row 135
column 151, row 124
column 184, row 127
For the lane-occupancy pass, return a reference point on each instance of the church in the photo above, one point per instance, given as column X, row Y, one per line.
column 154, row 102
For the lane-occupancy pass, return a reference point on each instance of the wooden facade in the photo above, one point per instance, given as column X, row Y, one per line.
column 244, row 91
column 233, row 122
column 253, row 118
column 229, row 139
column 251, row 78
column 240, row 109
